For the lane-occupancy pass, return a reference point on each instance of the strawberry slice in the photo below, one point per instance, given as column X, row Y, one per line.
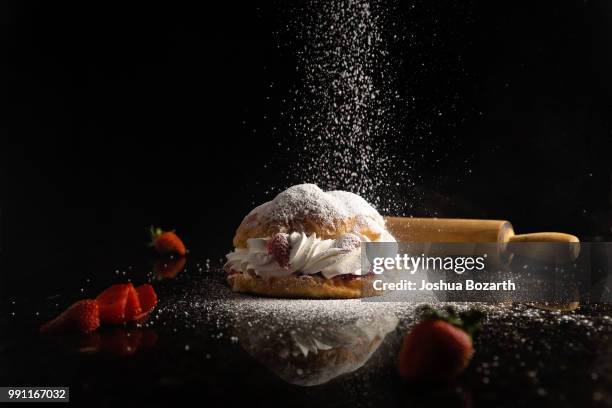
column 113, row 303
column 81, row 317
column 132, row 308
column 148, row 298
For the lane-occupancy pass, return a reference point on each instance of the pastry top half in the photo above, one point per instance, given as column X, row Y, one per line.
column 307, row 209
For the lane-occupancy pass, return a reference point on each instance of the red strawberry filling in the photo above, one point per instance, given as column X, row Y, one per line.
column 350, row 277
column 278, row 246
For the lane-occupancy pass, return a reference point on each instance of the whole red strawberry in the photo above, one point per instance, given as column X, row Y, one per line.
column 167, row 242
column 82, row 317
column 278, row 246
column 439, row 348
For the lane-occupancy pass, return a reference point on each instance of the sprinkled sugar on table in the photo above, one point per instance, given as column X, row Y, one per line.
column 208, row 343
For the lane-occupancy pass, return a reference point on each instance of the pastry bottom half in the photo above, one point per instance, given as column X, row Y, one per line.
column 305, row 286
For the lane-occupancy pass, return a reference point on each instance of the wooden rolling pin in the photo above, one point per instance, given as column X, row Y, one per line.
column 456, row 230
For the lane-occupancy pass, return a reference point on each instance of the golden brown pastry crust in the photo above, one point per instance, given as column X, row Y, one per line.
column 254, row 227
column 302, row 286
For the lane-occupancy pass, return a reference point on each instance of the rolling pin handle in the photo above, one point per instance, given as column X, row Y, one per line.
column 553, row 251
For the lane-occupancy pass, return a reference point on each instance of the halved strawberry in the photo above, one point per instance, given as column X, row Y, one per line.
column 148, row 298
column 113, row 303
column 81, row 317
column 132, row 308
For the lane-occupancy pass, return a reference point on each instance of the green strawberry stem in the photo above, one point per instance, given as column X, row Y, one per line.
column 155, row 232
column 469, row 321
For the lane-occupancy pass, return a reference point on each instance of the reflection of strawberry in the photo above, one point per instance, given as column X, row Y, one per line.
column 113, row 302
column 168, row 268
column 82, row 317
column 438, row 348
column 89, row 344
column 148, row 298
column 167, row 242
column 149, row 338
column 121, row 341
column 278, row 246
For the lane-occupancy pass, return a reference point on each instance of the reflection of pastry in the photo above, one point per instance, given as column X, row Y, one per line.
column 305, row 243
column 310, row 355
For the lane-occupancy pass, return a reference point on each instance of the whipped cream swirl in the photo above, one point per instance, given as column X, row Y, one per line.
column 308, row 255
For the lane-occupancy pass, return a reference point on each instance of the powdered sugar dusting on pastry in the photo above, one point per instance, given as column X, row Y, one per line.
column 304, row 200
column 326, row 208
column 347, row 242
column 359, row 208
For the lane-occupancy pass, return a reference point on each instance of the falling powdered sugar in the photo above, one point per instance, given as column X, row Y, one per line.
column 341, row 110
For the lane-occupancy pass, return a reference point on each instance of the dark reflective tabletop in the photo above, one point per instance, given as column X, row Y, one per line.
column 204, row 343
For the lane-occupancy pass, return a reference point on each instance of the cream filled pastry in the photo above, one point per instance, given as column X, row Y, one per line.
column 305, row 243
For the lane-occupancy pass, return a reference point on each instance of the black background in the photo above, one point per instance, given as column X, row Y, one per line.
column 122, row 115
